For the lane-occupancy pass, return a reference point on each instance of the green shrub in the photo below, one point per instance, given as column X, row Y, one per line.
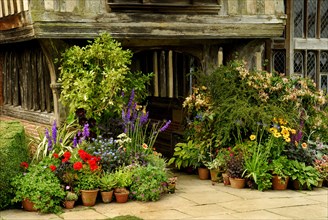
column 13, row 150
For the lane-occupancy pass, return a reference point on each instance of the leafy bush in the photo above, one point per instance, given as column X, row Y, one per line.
column 13, row 150
column 93, row 77
column 147, row 184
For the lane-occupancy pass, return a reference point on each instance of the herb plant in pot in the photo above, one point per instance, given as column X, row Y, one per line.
column 124, row 180
column 236, row 168
column 107, row 184
column 280, row 168
column 70, row 199
column 303, row 176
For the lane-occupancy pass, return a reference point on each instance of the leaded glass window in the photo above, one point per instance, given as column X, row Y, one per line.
column 298, row 63
column 324, row 62
column 324, row 82
column 324, row 18
column 311, row 65
column 279, row 61
column 298, row 18
column 312, row 18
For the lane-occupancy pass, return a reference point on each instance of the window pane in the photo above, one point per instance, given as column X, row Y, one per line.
column 312, row 18
column 324, row 18
column 279, row 61
column 298, row 63
column 323, row 83
column 324, row 62
column 298, row 18
column 311, row 65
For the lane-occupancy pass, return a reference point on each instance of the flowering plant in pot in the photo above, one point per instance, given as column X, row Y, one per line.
column 39, row 185
column 107, row 183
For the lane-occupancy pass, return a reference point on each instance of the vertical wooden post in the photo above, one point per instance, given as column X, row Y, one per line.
column 220, row 56
column 170, row 77
column 155, row 61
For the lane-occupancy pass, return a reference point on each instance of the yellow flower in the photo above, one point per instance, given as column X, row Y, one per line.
column 304, row 145
column 275, row 120
column 293, row 131
column 282, row 121
column 296, row 143
column 273, row 130
column 276, row 134
column 285, row 132
column 287, row 139
column 252, row 137
column 204, row 87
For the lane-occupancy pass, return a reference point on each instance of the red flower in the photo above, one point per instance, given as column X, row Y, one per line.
column 65, row 160
column 52, row 167
column 92, row 164
column 24, row 165
column 77, row 166
column 55, row 155
column 84, row 155
column 67, row 155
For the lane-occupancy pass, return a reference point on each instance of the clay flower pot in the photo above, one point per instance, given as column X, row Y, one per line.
column 226, row 180
column 278, row 184
column 69, row 204
column 214, row 175
column 237, row 183
column 121, row 195
column 89, row 197
column 28, row 205
column 107, row 196
column 203, row 173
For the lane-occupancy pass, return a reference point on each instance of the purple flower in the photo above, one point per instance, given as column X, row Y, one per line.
column 165, row 126
column 131, row 99
column 86, row 131
column 67, row 187
column 144, row 118
column 54, row 132
column 122, row 94
column 48, row 137
column 74, row 141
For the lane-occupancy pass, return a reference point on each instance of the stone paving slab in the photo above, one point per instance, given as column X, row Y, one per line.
column 267, row 203
column 82, row 214
column 19, row 214
column 312, row 212
column 261, row 214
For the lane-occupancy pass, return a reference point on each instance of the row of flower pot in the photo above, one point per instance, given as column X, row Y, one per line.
column 88, row 197
column 277, row 182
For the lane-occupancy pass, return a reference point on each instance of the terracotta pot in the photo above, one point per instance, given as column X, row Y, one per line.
column 69, row 204
column 320, row 183
column 298, row 186
column 237, row 183
column 214, row 175
column 89, row 197
column 122, row 197
column 203, row 173
column 278, row 184
column 107, row 196
column 226, row 180
column 28, row 205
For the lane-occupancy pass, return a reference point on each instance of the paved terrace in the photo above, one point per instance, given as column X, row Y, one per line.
column 199, row 199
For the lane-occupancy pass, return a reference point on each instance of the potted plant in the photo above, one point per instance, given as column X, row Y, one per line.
column 70, row 199
column 40, row 186
column 214, row 167
column 280, row 169
column 171, row 184
column 303, row 176
column 321, row 165
column 236, row 168
column 106, row 184
column 124, row 179
column 88, row 172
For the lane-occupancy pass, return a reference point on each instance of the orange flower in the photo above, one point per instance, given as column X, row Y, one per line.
column 144, row 146
column 304, row 145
